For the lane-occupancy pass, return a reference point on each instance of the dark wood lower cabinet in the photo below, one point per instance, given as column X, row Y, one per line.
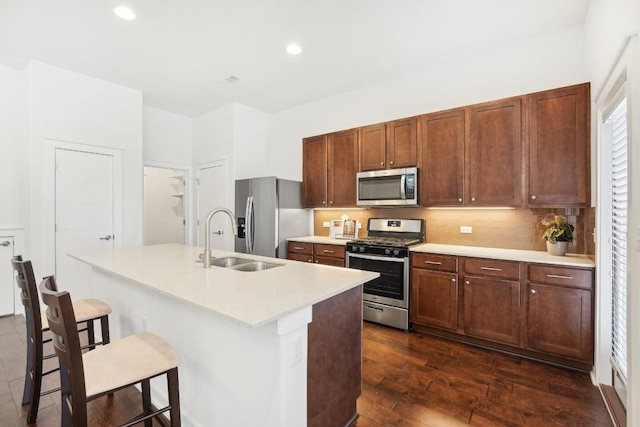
column 434, row 298
column 541, row 311
column 335, row 360
column 492, row 309
column 559, row 321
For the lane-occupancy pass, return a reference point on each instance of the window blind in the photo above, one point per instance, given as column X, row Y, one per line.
column 617, row 125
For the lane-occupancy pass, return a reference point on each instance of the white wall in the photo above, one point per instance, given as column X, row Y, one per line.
column 14, row 167
column 167, row 137
column 251, row 131
column 163, row 206
column 521, row 66
column 72, row 107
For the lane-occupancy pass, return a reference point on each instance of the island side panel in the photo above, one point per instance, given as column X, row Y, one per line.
column 230, row 374
column 334, row 370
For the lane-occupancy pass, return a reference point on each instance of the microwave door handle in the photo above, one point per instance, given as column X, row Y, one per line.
column 403, row 187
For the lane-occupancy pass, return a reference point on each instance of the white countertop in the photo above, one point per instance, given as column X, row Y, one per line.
column 251, row 298
column 320, row 239
column 541, row 257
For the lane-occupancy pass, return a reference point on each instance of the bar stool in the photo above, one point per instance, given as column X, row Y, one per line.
column 89, row 310
column 131, row 360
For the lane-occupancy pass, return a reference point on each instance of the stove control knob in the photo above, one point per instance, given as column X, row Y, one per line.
column 387, row 251
column 396, row 252
column 361, row 248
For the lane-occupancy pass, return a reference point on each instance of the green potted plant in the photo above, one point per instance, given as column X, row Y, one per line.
column 558, row 234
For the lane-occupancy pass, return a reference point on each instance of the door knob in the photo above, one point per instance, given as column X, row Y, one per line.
column 5, row 243
column 219, row 232
column 107, row 237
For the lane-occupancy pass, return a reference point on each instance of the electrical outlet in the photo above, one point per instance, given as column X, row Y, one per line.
column 466, row 229
column 326, row 224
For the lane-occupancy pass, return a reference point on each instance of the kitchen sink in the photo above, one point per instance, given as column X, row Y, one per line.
column 228, row 262
column 256, row 266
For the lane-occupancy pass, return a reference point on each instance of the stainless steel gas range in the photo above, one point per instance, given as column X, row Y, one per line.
column 386, row 251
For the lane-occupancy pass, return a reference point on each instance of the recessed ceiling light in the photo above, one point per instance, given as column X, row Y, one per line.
column 125, row 13
column 294, row 49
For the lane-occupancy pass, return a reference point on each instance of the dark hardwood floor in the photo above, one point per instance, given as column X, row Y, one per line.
column 414, row 379
column 409, row 379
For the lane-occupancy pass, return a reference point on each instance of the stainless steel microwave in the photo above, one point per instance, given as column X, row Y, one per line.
column 390, row 187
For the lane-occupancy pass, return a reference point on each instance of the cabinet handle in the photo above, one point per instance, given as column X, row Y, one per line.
column 453, row 280
column 460, row 199
column 330, row 202
column 326, row 251
column 533, row 197
column 473, row 199
column 381, row 163
column 466, row 282
column 391, row 162
column 298, row 248
column 433, row 262
column 316, row 261
column 557, row 276
column 533, row 291
column 490, row 269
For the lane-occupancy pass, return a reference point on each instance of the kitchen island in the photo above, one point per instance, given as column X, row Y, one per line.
column 246, row 338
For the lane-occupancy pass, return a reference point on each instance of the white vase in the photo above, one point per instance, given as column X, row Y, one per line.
column 557, row 248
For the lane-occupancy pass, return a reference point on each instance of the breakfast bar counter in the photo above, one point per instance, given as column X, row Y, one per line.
column 245, row 337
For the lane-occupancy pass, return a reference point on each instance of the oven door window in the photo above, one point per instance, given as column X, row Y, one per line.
column 390, row 284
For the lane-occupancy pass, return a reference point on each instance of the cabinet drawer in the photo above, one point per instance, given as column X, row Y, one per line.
column 435, row 262
column 333, row 251
column 300, row 257
column 300, row 248
column 564, row 276
column 492, row 268
column 337, row 262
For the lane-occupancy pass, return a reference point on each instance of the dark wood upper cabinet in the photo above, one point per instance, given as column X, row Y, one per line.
column 494, row 154
column 389, row 145
column 559, row 148
column 342, row 168
column 441, row 150
column 329, row 167
column 402, row 143
column 314, row 171
column 373, row 147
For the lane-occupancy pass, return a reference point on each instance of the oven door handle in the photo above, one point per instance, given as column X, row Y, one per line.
column 376, row 258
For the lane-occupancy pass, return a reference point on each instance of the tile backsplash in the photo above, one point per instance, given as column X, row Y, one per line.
column 494, row 228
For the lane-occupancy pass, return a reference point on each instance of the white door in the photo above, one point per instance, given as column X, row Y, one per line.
column 212, row 194
column 84, row 214
column 7, row 282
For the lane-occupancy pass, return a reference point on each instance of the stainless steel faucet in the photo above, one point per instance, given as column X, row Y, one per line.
column 207, row 233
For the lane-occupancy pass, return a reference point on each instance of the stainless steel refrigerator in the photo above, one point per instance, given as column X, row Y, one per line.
column 269, row 211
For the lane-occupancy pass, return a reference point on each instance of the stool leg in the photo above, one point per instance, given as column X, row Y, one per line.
column 146, row 402
column 91, row 334
column 33, row 372
column 174, row 397
column 104, row 328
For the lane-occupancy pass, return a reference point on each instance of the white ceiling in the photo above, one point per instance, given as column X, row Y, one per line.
column 178, row 52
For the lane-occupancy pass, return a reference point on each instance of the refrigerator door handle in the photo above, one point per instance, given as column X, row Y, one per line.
column 253, row 226
column 247, row 225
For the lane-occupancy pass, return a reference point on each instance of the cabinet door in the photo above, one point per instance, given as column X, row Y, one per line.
column 492, row 309
column 402, row 143
column 434, row 298
column 337, row 262
column 494, row 154
column 560, row 321
column 559, row 167
column 300, row 257
column 314, row 171
column 342, row 167
column 442, row 158
column 372, row 147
